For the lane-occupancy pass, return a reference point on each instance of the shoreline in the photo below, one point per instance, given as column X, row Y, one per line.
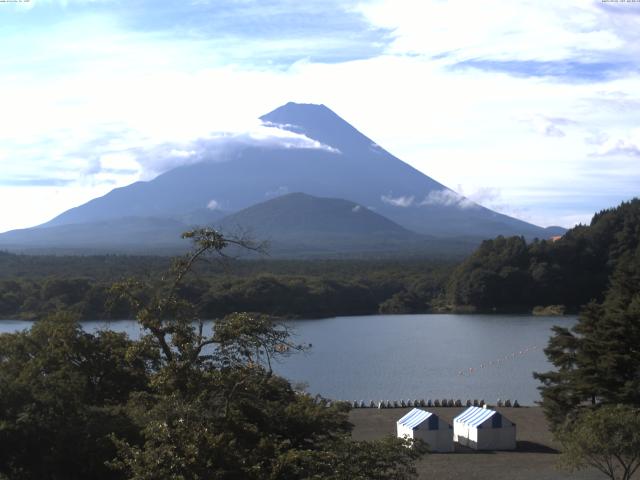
column 33, row 316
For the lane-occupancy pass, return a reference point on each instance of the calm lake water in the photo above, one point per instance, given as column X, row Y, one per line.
column 395, row 357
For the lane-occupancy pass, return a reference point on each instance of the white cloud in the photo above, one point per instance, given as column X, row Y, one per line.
column 402, row 201
column 278, row 192
column 38, row 204
column 85, row 91
column 182, row 153
column 356, row 209
column 492, row 198
column 447, row 198
column 270, row 134
column 629, row 145
column 483, row 196
column 549, row 126
column 542, row 30
column 218, row 147
column 621, row 147
column 213, row 205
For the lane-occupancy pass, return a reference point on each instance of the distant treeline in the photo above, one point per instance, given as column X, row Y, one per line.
column 33, row 286
column 503, row 274
column 509, row 274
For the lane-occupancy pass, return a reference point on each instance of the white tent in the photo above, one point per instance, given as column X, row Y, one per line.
column 426, row 426
column 484, row 429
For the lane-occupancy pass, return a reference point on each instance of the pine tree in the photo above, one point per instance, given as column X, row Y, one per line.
column 598, row 360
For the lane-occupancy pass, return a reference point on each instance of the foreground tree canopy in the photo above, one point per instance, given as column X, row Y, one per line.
column 180, row 403
column 607, row 439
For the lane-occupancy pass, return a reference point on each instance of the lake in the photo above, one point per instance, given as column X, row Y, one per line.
column 395, row 357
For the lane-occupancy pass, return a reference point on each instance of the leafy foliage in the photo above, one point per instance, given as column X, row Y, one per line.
column 598, row 360
column 509, row 274
column 181, row 403
column 592, row 399
column 62, row 393
column 607, row 439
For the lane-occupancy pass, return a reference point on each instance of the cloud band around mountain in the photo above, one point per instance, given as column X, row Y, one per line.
column 444, row 197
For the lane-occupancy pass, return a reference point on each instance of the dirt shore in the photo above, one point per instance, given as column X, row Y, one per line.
column 536, row 457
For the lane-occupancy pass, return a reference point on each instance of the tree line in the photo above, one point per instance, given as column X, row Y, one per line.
column 507, row 274
column 284, row 289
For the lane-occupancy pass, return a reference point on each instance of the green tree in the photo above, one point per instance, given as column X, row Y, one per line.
column 183, row 402
column 494, row 276
column 598, row 360
column 508, row 273
column 217, row 411
column 62, row 393
column 607, row 438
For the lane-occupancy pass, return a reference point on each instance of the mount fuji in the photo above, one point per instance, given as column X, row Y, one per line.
column 335, row 161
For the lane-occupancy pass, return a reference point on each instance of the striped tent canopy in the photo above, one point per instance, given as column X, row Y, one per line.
column 416, row 417
column 476, row 416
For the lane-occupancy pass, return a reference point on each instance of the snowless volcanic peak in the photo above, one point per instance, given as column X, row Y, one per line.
column 320, row 123
column 354, row 170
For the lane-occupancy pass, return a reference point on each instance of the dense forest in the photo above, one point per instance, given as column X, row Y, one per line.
column 32, row 286
column 507, row 274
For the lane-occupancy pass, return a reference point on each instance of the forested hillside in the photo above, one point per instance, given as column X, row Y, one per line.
column 509, row 274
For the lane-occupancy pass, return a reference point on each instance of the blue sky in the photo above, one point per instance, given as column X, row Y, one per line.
column 531, row 108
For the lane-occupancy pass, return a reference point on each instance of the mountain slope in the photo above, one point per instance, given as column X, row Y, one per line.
column 394, row 188
column 294, row 225
column 122, row 235
column 300, row 224
column 299, row 214
column 346, row 164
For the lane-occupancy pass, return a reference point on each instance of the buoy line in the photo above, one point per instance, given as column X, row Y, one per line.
column 497, row 362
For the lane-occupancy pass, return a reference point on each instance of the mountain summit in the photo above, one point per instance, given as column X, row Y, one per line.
column 342, row 164
column 320, row 123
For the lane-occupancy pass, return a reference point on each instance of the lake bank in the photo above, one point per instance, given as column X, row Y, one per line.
column 535, row 458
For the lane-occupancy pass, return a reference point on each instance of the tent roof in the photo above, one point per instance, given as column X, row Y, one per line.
column 475, row 416
column 414, row 418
